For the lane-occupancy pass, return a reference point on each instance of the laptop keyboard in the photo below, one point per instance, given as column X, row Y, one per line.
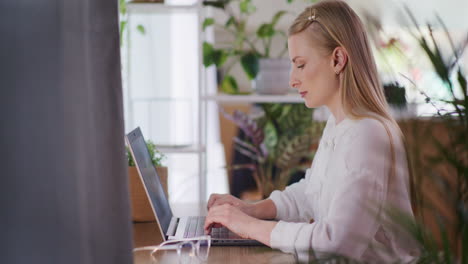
column 195, row 225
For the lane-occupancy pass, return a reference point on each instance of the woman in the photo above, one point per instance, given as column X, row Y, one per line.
column 360, row 166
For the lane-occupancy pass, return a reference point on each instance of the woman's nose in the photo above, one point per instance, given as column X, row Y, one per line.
column 294, row 83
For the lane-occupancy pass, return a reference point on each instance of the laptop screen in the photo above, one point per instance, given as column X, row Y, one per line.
column 150, row 177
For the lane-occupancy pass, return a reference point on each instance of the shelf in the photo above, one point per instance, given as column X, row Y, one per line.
column 166, row 149
column 255, row 98
column 148, row 7
column 162, row 99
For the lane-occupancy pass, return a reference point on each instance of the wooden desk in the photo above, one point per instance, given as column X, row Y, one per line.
column 145, row 234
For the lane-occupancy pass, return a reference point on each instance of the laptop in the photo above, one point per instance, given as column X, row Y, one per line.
column 170, row 226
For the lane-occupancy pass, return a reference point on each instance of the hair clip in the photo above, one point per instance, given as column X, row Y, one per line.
column 312, row 16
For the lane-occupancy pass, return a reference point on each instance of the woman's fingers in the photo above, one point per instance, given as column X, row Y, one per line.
column 212, row 225
column 216, row 217
column 223, row 200
column 211, row 222
column 220, row 199
column 230, row 217
column 212, row 199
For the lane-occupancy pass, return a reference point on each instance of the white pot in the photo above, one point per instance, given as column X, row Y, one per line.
column 272, row 77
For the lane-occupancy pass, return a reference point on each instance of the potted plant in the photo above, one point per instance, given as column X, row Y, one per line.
column 141, row 209
column 269, row 73
column 279, row 142
column 448, row 242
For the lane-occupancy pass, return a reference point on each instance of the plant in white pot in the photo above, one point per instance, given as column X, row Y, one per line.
column 269, row 73
column 141, row 209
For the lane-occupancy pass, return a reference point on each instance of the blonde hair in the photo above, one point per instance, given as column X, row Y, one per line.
column 332, row 24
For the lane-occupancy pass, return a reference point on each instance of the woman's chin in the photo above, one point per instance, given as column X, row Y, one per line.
column 310, row 104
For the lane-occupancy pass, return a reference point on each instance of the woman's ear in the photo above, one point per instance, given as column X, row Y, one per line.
column 339, row 59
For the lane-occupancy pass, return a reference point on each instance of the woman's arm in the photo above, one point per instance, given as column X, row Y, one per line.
column 262, row 231
column 283, row 205
column 264, row 209
column 245, row 219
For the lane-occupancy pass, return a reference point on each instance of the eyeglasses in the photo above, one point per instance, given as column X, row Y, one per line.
column 189, row 250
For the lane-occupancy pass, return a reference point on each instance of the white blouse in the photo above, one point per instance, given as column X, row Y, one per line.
column 334, row 209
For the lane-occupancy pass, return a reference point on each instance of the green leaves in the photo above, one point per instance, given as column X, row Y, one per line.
column 451, row 153
column 141, row 29
column 123, row 21
column 271, row 137
column 230, row 21
column 435, row 58
column 247, row 7
column 289, row 133
column 156, row 156
column 291, row 150
column 275, row 153
column 123, row 25
column 240, row 35
column 297, row 117
column 288, row 126
column 207, row 22
column 249, row 62
column 275, row 111
column 229, row 85
column 265, row 31
column 244, row 47
column 462, row 81
column 208, row 54
column 277, row 17
column 434, row 54
column 122, row 7
column 213, row 56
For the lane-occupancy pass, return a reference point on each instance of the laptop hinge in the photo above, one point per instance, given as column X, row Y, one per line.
column 172, row 226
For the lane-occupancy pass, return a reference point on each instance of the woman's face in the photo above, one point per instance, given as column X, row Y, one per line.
column 312, row 72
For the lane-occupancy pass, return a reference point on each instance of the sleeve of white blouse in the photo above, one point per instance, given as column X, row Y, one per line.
column 288, row 202
column 350, row 222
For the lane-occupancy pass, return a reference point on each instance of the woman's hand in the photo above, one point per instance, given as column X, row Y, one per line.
column 221, row 199
column 239, row 222
column 232, row 218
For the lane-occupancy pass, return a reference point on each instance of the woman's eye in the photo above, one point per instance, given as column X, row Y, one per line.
column 301, row 66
